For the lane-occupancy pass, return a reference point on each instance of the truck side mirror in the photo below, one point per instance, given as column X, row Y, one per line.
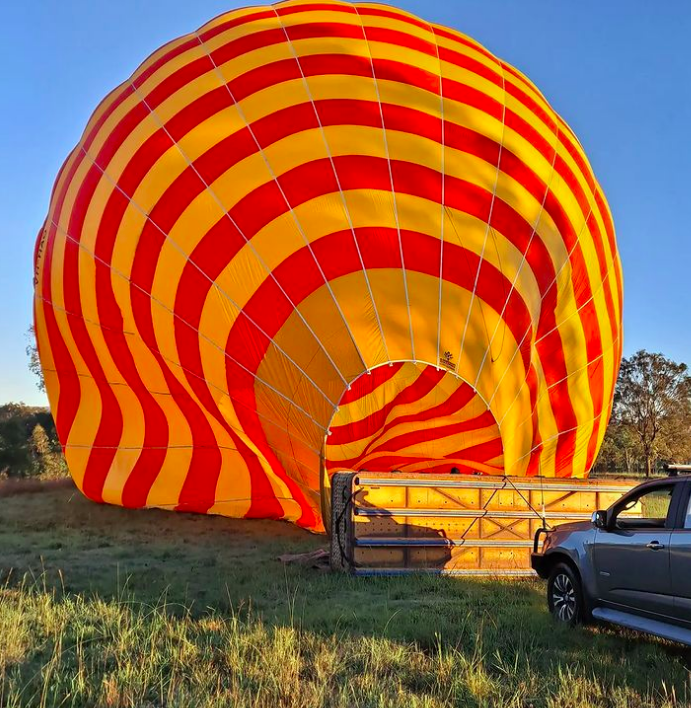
column 599, row 519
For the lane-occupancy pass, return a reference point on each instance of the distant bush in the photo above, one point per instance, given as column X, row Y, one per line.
column 29, row 445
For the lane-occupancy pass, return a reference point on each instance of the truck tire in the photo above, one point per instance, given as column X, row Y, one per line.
column 565, row 597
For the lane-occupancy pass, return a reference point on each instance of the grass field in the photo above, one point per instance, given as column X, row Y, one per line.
column 100, row 606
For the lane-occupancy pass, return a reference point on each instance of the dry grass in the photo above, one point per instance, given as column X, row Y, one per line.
column 12, row 487
column 104, row 607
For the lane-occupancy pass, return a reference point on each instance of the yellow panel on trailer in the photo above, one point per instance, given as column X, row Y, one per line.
column 448, row 523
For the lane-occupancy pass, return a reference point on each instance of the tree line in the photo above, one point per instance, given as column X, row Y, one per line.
column 650, row 423
column 651, row 416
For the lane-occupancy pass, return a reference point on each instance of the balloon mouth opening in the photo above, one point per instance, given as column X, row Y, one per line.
column 412, row 417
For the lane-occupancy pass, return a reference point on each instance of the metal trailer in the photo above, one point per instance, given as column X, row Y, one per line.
column 393, row 523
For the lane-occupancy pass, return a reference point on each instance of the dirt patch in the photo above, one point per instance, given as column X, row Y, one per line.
column 14, row 487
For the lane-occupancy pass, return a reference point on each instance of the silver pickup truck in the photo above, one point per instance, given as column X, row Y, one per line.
column 630, row 565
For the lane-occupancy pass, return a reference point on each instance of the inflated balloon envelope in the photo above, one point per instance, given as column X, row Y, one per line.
column 320, row 236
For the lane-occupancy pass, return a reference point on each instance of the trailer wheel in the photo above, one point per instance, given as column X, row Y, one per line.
column 341, row 542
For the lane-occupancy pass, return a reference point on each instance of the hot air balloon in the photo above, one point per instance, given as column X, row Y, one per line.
column 312, row 237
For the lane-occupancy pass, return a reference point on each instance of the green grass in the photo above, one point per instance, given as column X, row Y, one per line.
column 100, row 606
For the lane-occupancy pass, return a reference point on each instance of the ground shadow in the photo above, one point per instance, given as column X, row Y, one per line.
column 378, row 543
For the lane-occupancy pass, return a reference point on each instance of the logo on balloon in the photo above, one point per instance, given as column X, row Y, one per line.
column 446, row 360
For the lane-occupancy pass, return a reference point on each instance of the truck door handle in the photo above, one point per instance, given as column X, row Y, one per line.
column 654, row 545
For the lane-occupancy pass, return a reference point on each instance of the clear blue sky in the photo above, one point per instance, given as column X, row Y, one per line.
column 616, row 70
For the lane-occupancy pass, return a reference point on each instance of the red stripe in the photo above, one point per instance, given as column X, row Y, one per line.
column 427, row 380
column 367, row 383
column 444, row 468
column 150, row 461
column 477, row 453
column 109, row 428
column 259, row 14
column 69, row 384
column 206, row 457
column 418, row 438
column 69, row 396
column 454, row 403
column 337, row 259
column 484, row 420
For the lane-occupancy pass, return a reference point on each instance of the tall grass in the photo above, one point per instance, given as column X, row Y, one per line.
column 101, row 606
column 64, row 650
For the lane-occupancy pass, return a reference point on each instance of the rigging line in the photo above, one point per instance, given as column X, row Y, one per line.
column 225, row 213
column 82, row 375
column 131, row 448
column 222, row 391
column 194, row 329
column 479, row 517
column 523, row 261
column 344, row 203
column 215, row 285
column 443, row 189
column 491, row 211
column 289, row 417
column 530, row 326
column 391, row 180
column 527, row 501
column 293, row 456
column 298, row 225
column 239, row 500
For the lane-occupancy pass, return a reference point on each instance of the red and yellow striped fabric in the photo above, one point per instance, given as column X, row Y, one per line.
column 273, row 209
column 413, row 418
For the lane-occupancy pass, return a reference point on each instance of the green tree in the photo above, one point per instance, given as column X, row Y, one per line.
column 24, row 450
column 652, row 401
column 15, row 453
column 620, row 450
column 34, row 361
column 49, row 462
